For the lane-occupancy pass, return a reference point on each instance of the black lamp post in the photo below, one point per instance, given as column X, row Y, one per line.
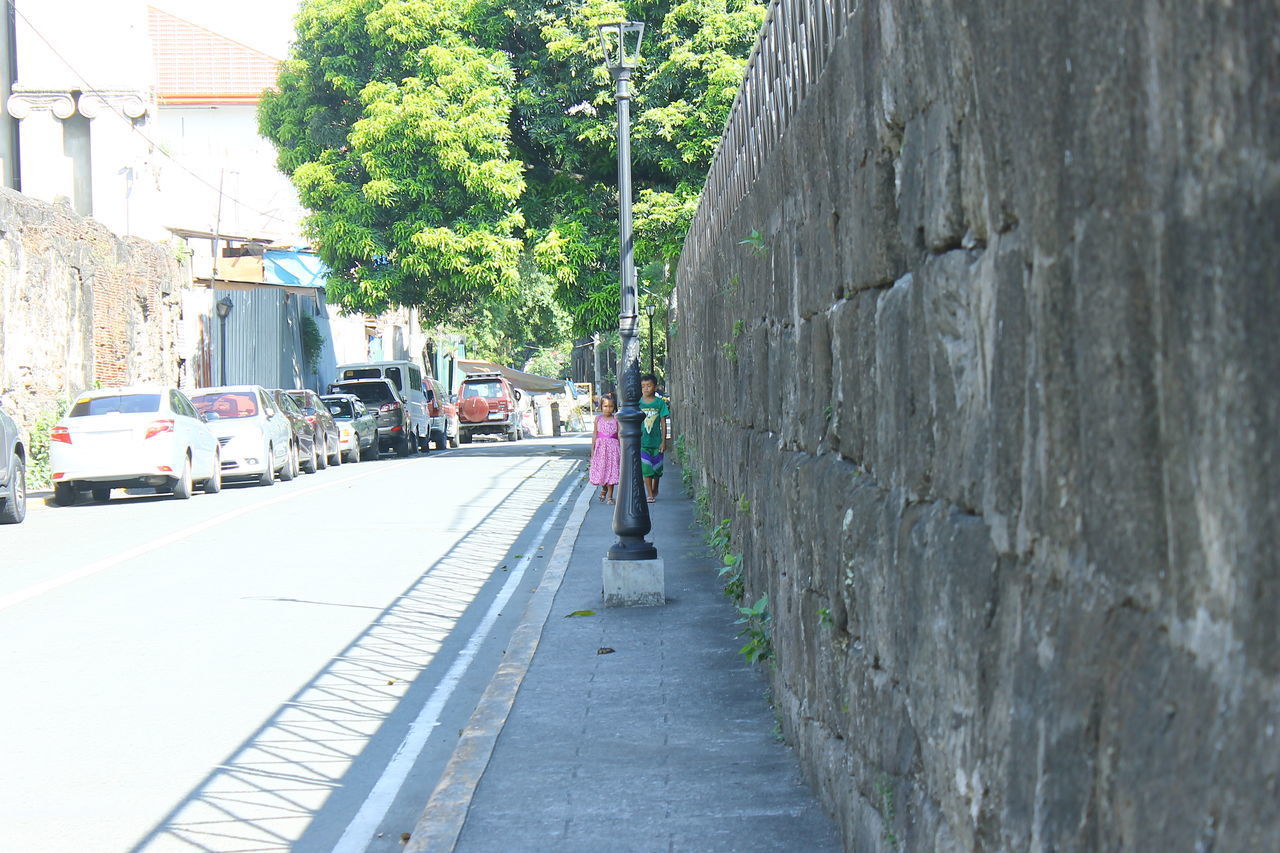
column 648, row 310
column 223, row 307
column 621, row 44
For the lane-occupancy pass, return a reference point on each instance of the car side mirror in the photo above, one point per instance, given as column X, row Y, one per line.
column 208, row 416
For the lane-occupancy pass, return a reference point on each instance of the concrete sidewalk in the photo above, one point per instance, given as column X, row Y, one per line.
column 664, row 744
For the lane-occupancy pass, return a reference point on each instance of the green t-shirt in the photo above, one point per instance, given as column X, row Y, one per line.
column 654, row 412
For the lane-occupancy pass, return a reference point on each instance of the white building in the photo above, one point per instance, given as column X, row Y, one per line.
column 141, row 120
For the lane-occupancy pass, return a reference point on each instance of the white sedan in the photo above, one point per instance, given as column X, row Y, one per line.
column 256, row 437
column 129, row 438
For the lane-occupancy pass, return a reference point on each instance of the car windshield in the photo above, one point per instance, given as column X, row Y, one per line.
column 118, row 404
column 340, row 409
column 371, row 393
column 232, row 404
column 490, row 389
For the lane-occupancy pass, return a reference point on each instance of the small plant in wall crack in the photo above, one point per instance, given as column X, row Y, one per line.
column 730, row 346
column 702, row 505
column 718, row 538
column 731, row 574
column 756, row 241
column 887, row 811
column 824, row 617
column 755, row 621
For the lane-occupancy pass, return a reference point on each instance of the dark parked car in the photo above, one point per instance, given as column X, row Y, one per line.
column 13, row 472
column 304, row 437
column 323, row 427
column 357, row 426
column 383, row 400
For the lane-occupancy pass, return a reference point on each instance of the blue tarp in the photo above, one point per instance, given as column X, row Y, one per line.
column 293, row 266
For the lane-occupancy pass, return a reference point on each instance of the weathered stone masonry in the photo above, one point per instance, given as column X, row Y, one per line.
column 999, row 382
column 80, row 306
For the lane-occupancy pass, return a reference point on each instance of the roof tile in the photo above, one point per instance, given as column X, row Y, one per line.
column 198, row 66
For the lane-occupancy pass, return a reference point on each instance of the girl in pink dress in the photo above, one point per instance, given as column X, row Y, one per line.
column 606, row 456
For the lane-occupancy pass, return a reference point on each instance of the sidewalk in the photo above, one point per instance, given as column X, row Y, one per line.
column 664, row 744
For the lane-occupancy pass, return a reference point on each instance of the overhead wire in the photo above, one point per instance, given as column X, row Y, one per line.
column 90, row 89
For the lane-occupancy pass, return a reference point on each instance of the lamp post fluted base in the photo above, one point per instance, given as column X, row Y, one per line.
column 637, row 549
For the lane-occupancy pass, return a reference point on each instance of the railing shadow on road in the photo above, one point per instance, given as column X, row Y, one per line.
column 305, row 757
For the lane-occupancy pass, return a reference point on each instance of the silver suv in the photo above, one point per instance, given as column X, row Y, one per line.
column 13, row 472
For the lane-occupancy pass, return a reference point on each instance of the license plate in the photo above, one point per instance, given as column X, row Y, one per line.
column 496, row 416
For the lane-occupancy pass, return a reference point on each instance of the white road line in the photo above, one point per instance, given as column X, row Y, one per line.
column 30, row 592
column 360, row 831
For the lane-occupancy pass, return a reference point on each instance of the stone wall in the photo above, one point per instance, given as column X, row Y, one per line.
column 80, row 306
column 978, row 347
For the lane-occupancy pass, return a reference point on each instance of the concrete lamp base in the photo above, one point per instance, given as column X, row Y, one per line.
column 633, row 583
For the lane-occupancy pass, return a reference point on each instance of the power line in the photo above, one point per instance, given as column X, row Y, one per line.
column 90, row 89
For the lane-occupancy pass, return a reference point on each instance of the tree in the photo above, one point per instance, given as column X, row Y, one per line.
column 435, row 141
column 527, row 325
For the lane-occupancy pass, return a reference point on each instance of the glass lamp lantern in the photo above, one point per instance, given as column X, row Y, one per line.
column 620, row 41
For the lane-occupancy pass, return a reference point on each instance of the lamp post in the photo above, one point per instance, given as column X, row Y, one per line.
column 223, row 307
column 621, row 44
column 648, row 310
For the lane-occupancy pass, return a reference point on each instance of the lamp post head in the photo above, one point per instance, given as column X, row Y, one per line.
column 620, row 41
column 224, row 306
column 649, row 309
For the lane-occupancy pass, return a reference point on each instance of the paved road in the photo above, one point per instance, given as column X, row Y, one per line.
column 263, row 669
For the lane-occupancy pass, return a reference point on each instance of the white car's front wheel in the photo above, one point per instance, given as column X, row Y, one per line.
column 213, row 485
column 268, row 475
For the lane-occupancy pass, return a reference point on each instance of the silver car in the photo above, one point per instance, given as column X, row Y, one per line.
column 357, row 426
column 256, row 438
column 13, row 472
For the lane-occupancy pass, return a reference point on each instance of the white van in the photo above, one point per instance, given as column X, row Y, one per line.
column 407, row 377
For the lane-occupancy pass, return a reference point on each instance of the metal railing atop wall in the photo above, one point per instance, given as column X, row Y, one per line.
column 794, row 46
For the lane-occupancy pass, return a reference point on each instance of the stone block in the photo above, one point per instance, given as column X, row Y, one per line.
column 1027, row 255
column 633, row 583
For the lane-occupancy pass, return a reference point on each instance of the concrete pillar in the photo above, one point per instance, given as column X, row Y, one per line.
column 47, row 172
column 117, row 158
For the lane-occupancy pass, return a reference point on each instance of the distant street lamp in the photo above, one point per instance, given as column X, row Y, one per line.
column 648, row 310
column 223, row 307
column 621, row 44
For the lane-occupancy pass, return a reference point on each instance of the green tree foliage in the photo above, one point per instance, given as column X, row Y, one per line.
column 438, row 141
column 528, row 325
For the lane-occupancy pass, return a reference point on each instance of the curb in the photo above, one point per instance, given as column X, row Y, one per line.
column 440, row 824
column 40, row 499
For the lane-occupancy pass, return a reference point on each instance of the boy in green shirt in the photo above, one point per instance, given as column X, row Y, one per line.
column 653, row 433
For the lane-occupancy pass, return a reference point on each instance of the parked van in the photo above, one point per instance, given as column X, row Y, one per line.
column 408, row 380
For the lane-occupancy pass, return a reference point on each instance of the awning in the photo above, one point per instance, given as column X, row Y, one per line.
column 524, row 381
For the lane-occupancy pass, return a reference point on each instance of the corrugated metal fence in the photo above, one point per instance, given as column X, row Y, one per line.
column 263, row 338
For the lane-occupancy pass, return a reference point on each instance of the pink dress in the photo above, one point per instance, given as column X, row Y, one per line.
column 607, row 457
